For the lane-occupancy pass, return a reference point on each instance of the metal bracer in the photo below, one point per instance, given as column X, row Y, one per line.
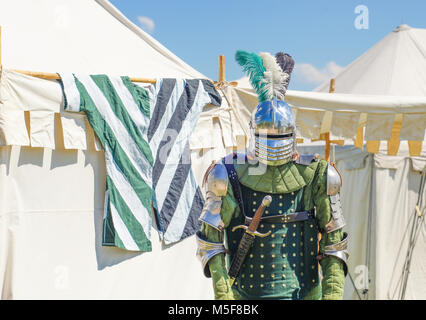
column 339, row 250
column 206, row 250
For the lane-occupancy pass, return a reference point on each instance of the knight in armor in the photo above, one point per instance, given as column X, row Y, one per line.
column 299, row 249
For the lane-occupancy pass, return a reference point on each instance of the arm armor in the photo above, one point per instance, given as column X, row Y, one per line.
column 334, row 182
column 340, row 249
column 216, row 187
column 216, row 182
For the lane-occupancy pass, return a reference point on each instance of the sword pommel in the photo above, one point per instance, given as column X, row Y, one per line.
column 267, row 200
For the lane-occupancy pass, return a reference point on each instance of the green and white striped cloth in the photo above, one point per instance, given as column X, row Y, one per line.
column 124, row 119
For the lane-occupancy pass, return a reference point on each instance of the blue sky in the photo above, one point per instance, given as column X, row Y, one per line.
column 321, row 35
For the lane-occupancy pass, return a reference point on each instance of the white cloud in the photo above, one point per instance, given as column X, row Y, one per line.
column 147, row 24
column 307, row 73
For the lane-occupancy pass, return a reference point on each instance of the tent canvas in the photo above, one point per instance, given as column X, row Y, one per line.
column 52, row 196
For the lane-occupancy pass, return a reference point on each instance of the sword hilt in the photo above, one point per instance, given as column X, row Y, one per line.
column 259, row 212
column 252, row 228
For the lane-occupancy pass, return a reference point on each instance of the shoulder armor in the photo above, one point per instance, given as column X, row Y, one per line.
column 217, row 180
column 306, row 159
column 337, row 220
column 334, row 180
column 216, row 183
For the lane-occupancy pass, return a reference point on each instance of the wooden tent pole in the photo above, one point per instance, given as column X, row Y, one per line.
column 54, row 76
column 221, row 68
column 327, row 135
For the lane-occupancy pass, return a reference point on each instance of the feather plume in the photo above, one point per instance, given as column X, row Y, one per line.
column 286, row 62
column 275, row 78
column 253, row 65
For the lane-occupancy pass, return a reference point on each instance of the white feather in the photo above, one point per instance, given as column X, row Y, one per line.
column 275, row 78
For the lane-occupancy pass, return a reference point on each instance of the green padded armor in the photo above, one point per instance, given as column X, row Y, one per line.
column 282, row 265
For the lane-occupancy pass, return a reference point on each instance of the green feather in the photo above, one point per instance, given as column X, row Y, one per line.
column 253, row 65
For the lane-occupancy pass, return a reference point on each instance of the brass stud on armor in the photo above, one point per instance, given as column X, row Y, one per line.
column 262, row 245
column 273, row 245
column 272, row 285
column 251, row 275
column 262, row 276
column 273, row 226
column 251, row 286
column 284, row 285
column 284, row 276
column 280, row 211
column 251, row 255
column 273, row 255
column 255, row 194
column 284, row 266
column 272, row 275
column 251, row 266
column 262, row 285
column 280, row 196
column 273, row 266
column 280, row 204
column 292, row 201
column 283, row 245
column 261, row 266
column 291, row 210
column 272, row 235
column 292, row 193
column 262, row 256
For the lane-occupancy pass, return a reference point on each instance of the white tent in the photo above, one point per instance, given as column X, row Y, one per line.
column 52, row 195
column 396, row 65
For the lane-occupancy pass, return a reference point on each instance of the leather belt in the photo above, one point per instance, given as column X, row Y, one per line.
column 286, row 218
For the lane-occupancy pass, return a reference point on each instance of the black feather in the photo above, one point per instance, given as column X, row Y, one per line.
column 286, row 63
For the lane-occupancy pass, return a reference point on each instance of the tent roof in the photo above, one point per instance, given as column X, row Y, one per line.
column 396, row 65
column 87, row 36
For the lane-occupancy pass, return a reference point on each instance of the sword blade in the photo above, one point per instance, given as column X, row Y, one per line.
column 238, row 260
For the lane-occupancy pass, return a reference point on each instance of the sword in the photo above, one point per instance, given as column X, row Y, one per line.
column 247, row 239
